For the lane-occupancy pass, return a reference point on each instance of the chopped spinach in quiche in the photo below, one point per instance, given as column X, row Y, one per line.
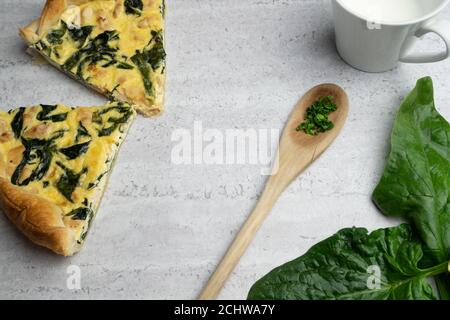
column 58, row 156
column 114, row 46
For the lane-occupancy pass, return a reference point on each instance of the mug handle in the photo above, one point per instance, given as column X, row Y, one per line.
column 442, row 29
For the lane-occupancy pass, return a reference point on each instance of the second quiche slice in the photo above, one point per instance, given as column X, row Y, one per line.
column 114, row 46
column 54, row 165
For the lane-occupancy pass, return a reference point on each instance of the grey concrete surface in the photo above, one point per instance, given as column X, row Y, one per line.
column 162, row 228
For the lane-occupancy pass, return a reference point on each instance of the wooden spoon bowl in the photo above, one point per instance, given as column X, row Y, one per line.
column 298, row 150
column 298, row 114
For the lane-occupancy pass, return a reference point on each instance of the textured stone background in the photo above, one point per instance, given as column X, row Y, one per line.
column 162, row 228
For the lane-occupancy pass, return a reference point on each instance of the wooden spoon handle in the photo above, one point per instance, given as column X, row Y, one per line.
column 241, row 242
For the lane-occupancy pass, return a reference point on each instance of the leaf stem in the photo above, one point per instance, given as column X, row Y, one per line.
column 441, row 272
column 437, row 270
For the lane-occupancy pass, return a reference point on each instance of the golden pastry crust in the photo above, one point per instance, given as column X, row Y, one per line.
column 40, row 220
column 30, row 32
column 51, row 13
column 50, row 16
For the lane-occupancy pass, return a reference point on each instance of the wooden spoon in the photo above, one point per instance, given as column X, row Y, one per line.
column 296, row 152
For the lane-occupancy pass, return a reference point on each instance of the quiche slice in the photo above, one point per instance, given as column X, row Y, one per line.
column 54, row 165
column 115, row 47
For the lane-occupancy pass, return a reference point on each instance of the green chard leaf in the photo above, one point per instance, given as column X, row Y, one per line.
column 124, row 65
column 416, row 180
column 75, row 151
column 139, row 60
column 134, row 7
column 99, row 49
column 354, row 265
column 81, row 213
column 93, row 185
column 114, row 121
column 156, row 54
column 80, row 35
column 55, row 37
column 68, row 181
column 81, row 132
column 44, row 115
column 37, row 158
column 72, row 61
column 17, row 123
column 150, row 59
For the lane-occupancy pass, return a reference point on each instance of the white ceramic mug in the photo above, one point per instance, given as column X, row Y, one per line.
column 374, row 35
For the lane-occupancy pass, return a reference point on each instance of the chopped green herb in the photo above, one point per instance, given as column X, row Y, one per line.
column 316, row 117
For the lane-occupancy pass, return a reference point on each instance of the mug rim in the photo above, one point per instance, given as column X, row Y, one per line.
column 418, row 20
